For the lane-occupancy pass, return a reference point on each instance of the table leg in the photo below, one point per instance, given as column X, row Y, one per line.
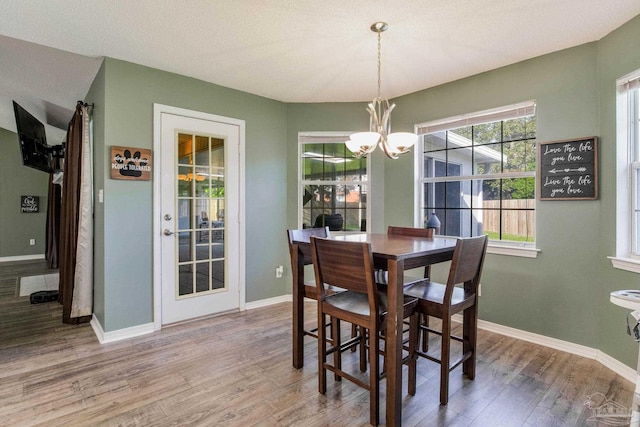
column 298, row 308
column 393, row 346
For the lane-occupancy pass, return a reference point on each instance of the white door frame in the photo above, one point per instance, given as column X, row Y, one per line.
column 158, row 110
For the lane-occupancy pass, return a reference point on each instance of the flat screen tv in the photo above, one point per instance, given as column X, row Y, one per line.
column 33, row 141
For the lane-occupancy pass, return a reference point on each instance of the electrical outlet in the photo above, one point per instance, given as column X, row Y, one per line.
column 32, row 242
column 279, row 272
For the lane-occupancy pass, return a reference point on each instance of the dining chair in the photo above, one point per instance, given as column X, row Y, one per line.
column 381, row 276
column 414, row 232
column 349, row 265
column 308, row 289
column 444, row 300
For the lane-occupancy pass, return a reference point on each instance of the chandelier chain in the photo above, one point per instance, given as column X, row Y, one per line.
column 379, row 61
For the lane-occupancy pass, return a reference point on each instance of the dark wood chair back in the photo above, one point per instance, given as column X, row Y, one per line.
column 304, row 236
column 348, row 265
column 415, row 232
column 304, row 253
column 410, row 231
column 466, row 265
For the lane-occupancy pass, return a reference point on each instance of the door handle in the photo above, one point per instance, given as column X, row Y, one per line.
column 168, row 232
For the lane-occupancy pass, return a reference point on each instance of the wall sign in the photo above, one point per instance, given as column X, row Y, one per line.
column 130, row 163
column 568, row 169
column 29, row 204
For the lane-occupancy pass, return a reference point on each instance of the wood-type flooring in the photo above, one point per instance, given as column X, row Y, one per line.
column 235, row 370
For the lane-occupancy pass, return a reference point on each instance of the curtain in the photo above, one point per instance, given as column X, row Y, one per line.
column 54, row 200
column 76, row 228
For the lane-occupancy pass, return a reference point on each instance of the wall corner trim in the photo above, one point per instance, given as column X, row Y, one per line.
column 119, row 334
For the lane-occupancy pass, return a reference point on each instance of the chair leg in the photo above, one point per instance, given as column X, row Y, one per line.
column 374, row 378
column 414, row 329
column 363, row 349
column 470, row 337
column 322, row 351
column 425, row 333
column 337, row 343
column 354, row 332
column 444, row 359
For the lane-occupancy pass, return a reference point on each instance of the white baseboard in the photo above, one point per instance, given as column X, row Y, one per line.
column 569, row 347
column 618, row 367
column 135, row 331
column 268, row 302
column 120, row 334
column 21, row 258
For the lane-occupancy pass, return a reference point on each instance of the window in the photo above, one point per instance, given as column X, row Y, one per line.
column 477, row 174
column 628, row 174
column 332, row 183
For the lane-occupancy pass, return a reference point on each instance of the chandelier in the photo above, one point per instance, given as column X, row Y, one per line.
column 392, row 144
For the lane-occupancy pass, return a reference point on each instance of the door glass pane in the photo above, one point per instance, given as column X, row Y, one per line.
column 217, row 274
column 201, row 203
column 184, row 181
column 185, row 280
column 202, row 277
column 201, row 157
column 184, row 247
column 184, row 214
column 202, row 181
column 202, row 251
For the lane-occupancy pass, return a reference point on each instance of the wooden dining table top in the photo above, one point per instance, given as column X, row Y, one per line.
column 414, row 251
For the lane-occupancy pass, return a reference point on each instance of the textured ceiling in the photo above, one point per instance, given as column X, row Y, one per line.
column 288, row 50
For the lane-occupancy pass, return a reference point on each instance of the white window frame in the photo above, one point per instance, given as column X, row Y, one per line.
column 526, row 250
column 320, row 137
column 627, row 255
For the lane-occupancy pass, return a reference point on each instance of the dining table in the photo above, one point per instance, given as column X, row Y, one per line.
column 395, row 254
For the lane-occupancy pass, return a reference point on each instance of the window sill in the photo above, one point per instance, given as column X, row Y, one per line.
column 627, row 264
column 519, row 251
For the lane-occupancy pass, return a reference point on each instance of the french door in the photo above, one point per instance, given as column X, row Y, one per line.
column 199, row 216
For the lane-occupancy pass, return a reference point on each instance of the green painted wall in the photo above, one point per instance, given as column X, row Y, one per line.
column 16, row 180
column 564, row 293
column 544, row 295
column 618, row 55
column 124, row 234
